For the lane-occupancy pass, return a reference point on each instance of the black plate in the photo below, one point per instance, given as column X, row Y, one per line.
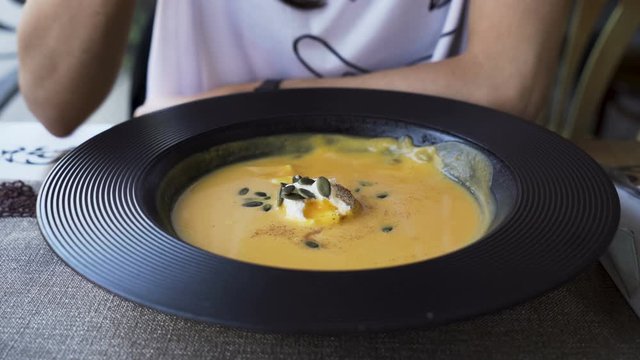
column 102, row 207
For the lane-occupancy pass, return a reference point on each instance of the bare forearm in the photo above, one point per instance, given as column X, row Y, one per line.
column 510, row 61
column 70, row 52
column 460, row 78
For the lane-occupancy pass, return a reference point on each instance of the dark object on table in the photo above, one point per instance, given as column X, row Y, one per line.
column 622, row 258
column 17, row 199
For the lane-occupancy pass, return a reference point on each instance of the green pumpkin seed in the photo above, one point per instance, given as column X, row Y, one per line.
column 306, row 193
column 365, row 183
column 260, row 193
column 311, row 244
column 243, row 191
column 280, row 199
column 324, row 186
column 293, row 196
column 288, row 189
column 382, row 195
column 306, row 181
column 266, row 207
column 387, row 229
column 357, row 190
column 252, row 204
column 267, row 197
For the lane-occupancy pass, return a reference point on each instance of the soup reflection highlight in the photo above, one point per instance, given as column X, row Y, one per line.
column 349, row 203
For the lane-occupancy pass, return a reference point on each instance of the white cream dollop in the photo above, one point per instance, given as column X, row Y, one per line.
column 294, row 209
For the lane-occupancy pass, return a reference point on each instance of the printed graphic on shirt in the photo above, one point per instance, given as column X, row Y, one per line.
column 437, row 4
column 354, row 68
column 342, row 38
column 307, row 45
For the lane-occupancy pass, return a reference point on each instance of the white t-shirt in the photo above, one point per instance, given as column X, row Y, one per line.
column 198, row 45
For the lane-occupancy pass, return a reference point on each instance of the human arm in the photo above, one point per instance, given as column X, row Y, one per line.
column 69, row 55
column 512, row 55
column 510, row 60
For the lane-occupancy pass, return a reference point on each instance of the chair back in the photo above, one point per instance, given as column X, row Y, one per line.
column 587, row 66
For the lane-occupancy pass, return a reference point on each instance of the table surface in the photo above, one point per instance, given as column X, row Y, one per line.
column 49, row 311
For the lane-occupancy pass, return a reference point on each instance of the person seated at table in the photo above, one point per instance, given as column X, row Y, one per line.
column 499, row 53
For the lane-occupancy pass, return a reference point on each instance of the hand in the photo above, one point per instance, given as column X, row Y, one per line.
column 163, row 103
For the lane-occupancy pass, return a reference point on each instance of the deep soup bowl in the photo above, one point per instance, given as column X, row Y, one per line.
column 105, row 210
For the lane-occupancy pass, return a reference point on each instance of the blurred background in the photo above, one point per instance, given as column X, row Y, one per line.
column 599, row 77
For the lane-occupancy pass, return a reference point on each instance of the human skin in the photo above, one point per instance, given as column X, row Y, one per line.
column 511, row 57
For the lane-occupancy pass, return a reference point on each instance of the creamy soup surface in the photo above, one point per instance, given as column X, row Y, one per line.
column 409, row 211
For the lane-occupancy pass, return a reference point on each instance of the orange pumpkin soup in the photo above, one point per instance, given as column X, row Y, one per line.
column 348, row 203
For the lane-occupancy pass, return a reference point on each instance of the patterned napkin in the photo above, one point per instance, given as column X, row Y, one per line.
column 27, row 153
column 27, row 150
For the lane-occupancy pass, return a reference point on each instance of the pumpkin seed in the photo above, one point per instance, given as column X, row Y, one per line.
column 306, row 181
column 357, row 190
column 260, row 193
column 365, row 183
column 312, row 244
column 252, row 204
column 387, row 229
column 288, row 189
column 243, row 191
column 306, row 193
column 293, row 196
column 382, row 195
column 324, row 187
column 267, row 197
column 266, row 207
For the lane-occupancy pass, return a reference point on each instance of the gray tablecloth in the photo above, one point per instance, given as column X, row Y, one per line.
column 48, row 311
